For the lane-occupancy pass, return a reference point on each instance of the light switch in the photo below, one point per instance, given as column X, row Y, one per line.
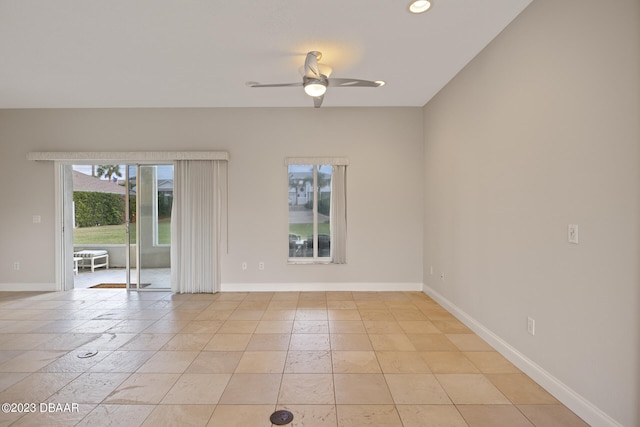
column 572, row 233
column 37, row 219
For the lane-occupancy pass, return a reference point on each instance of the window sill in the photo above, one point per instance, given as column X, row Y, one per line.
column 296, row 261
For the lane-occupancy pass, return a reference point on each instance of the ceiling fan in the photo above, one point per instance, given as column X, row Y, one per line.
column 315, row 79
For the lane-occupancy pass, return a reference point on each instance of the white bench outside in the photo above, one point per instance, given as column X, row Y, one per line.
column 90, row 258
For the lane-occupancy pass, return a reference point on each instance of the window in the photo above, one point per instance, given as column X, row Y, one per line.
column 314, row 212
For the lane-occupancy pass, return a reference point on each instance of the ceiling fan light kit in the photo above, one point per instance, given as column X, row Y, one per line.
column 315, row 87
column 315, row 79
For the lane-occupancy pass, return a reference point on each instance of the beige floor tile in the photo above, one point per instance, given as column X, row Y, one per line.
column 309, row 342
column 262, row 362
column 252, row 389
column 432, row 342
column 168, row 362
column 122, row 361
column 117, row 416
column 312, row 304
column 425, row 353
column 179, row 415
column 310, row 327
column 202, row 327
column 228, row 342
column 311, row 415
column 215, row 362
column 167, row 326
column 351, row 342
column 240, row 314
column 187, row 342
column 469, row 389
column 238, row 327
column 9, row 379
column 308, row 362
column 551, row 416
column 68, row 341
column 140, row 389
column 284, row 313
column 241, row 416
column 147, row 341
column 28, row 341
column 450, row 325
column 368, row 415
column 409, row 314
column 130, row 326
column 355, row 362
column 491, row 362
column 71, row 417
column 430, row 416
column 70, row 362
column 493, row 416
column 391, row 342
column 521, row 389
column 311, row 314
column 371, row 314
column 89, row 388
column 341, row 305
column 446, row 362
column 197, row 389
column 382, row 327
column 336, row 314
column 339, row 296
column 211, row 315
column 402, row 362
column 274, row 327
column 469, row 342
column 269, row 342
column 346, row 327
column 36, row 387
column 418, row 327
column 31, row 361
column 312, row 389
column 416, row 389
column 361, row 389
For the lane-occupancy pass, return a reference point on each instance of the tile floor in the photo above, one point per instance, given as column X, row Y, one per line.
column 231, row 359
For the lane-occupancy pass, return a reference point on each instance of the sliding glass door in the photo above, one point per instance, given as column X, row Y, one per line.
column 150, row 202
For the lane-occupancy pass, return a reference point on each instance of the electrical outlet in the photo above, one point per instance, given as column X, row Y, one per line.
column 261, row 265
column 16, row 265
column 531, row 326
column 244, row 265
column 37, row 219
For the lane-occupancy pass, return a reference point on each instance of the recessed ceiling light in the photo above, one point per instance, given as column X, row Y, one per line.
column 419, row 6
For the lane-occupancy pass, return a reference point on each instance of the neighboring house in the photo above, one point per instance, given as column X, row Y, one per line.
column 84, row 182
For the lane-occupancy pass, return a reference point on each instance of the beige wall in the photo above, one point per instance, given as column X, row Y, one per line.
column 537, row 132
column 384, row 146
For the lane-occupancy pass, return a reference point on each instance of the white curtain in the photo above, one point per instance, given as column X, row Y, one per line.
column 199, row 206
column 339, row 214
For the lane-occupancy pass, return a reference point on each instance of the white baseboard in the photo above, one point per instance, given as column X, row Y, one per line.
column 572, row 400
column 321, row 286
column 27, row 287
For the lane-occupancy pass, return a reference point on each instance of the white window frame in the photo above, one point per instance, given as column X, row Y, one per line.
column 315, row 162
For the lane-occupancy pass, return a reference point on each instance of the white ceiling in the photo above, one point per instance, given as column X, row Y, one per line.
column 200, row 53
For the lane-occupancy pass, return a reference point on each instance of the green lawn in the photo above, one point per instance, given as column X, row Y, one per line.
column 305, row 230
column 115, row 234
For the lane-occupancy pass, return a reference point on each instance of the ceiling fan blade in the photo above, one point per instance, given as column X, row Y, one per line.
column 317, row 101
column 353, row 83
column 311, row 68
column 255, row 84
